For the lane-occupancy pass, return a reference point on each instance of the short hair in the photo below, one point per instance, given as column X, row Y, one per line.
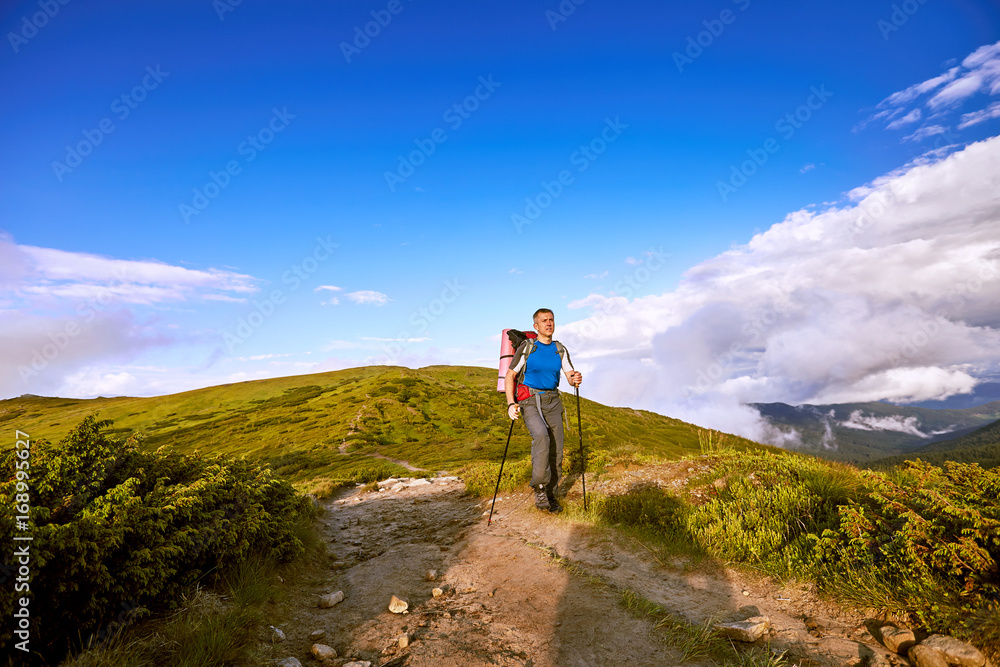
column 539, row 312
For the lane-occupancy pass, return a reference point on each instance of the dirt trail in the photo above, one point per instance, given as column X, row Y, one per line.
column 509, row 598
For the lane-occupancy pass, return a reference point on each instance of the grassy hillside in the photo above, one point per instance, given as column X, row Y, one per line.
column 887, row 429
column 982, row 446
column 344, row 425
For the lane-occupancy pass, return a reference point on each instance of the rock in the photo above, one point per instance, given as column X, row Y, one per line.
column 276, row 635
column 897, row 640
column 955, row 651
column 331, row 599
column 419, row 482
column 322, row 652
column 316, row 635
column 746, row 594
column 398, row 606
column 925, row 656
column 431, row 575
column 398, row 486
column 358, row 663
column 403, row 640
column 463, row 589
column 749, row 630
column 437, row 592
column 290, row 662
column 878, row 660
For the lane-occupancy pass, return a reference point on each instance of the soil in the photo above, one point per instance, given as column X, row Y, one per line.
column 530, row 588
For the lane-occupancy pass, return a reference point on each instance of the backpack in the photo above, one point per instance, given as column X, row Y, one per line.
column 508, row 347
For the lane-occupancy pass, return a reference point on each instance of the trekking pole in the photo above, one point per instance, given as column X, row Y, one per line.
column 583, row 460
column 497, row 489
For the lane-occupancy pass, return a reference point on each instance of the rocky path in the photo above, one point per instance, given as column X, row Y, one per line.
column 530, row 589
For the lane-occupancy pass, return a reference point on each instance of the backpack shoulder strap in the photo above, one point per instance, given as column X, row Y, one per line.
column 567, row 363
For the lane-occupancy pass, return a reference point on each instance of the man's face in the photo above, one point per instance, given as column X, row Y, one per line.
column 545, row 324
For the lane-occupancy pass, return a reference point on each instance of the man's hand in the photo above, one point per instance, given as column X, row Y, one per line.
column 513, row 411
column 575, row 378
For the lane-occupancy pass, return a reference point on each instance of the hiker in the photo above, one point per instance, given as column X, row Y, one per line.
column 541, row 360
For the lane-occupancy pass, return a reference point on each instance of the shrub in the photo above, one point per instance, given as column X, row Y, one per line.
column 118, row 528
column 931, row 536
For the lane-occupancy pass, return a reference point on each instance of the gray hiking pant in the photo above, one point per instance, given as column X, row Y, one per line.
column 546, row 437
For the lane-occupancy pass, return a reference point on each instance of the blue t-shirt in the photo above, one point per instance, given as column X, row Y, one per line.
column 543, row 367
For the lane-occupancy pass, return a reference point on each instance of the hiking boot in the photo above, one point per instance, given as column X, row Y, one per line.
column 541, row 500
column 554, row 505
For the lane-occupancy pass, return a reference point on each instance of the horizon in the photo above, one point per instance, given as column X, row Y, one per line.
column 721, row 204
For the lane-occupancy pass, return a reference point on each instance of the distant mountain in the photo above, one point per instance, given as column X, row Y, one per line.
column 982, row 446
column 860, row 432
column 985, row 392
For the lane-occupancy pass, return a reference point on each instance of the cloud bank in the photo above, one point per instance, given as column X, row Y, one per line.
column 63, row 315
column 891, row 295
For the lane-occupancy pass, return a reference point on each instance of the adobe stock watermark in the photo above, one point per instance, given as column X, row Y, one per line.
column 786, row 126
column 421, row 320
column 60, row 339
column 900, row 15
column 265, row 308
column 696, row 44
column 122, row 106
column 23, row 536
column 249, row 148
column 753, row 328
column 581, row 158
column 627, row 287
column 223, row 7
column 454, row 116
column 31, row 25
column 381, row 18
column 562, row 13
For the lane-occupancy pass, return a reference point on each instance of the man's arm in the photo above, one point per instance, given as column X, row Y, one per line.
column 508, row 385
column 574, row 377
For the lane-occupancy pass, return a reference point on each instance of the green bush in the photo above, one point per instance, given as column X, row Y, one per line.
column 931, row 536
column 117, row 528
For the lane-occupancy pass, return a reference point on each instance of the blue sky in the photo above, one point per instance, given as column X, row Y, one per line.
column 684, row 95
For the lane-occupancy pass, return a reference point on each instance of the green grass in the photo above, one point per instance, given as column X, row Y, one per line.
column 435, row 418
column 212, row 627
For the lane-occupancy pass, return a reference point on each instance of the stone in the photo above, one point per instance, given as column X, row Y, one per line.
column 746, row 594
column 437, row 592
column 322, row 652
column 398, row 486
column 419, row 482
column 925, row 656
column 464, row 589
column 431, row 575
column 276, row 635
column 398, row 606
column 897, row 640
column 316, row 635
column 955, row 651
column 331, row 599
column 749, row 630
column 403, row 640
column 387, row 482
column 290, row 662
column 358, row 663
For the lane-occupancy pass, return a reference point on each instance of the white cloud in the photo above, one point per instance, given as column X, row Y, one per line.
column 861, row 422
column 597, row 276
column 633, row 261
column 890, row 296
column 911, row 117
column 976, row 117
column 329, row 288
column 807, row 167
column 943, row 94
column 364, row 297
column 926, row 131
